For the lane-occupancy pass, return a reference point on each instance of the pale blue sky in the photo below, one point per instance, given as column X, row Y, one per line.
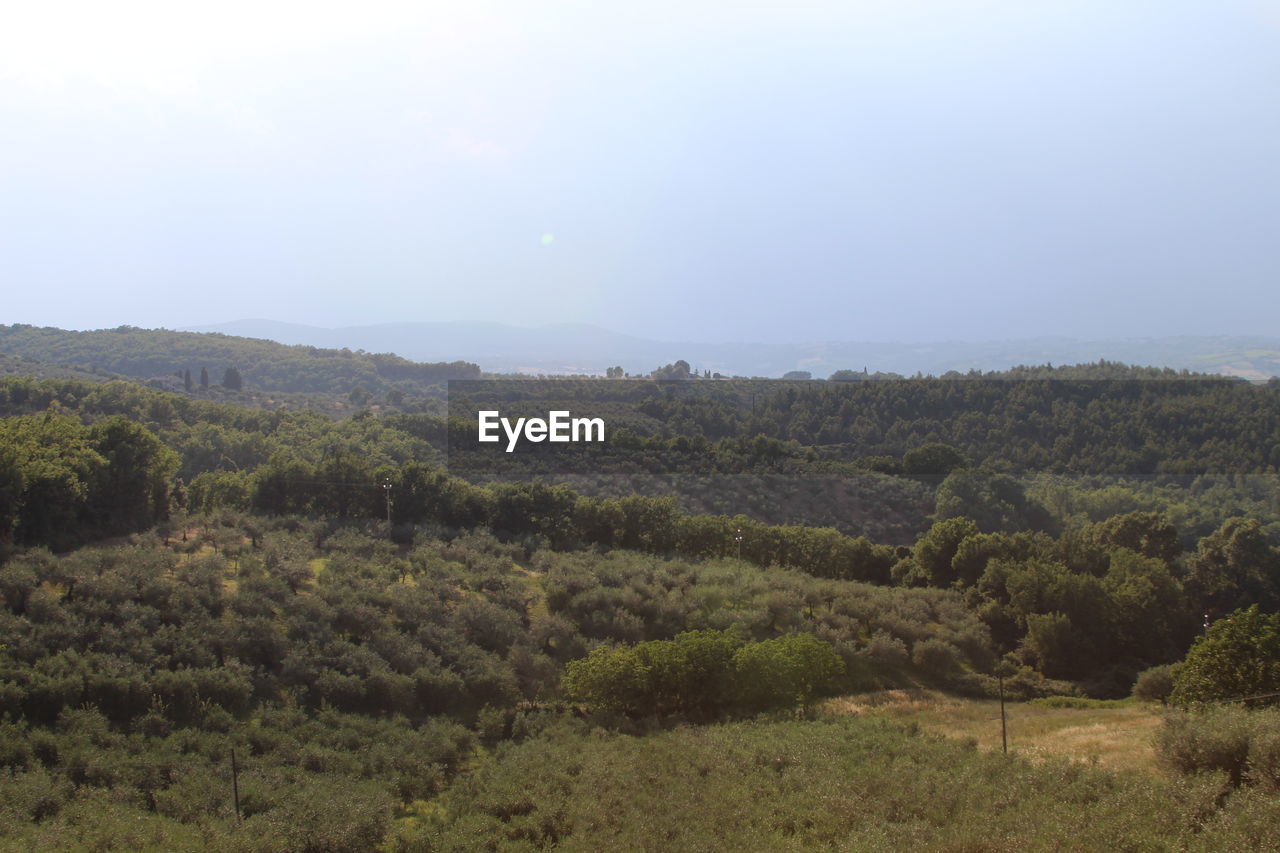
column 909, row 170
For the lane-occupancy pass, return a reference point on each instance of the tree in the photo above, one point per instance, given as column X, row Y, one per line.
column 132, row 491
column 934, row 459
column 1154, row 684
column 204, row 377
column 1240, row 656
column 187, row 384
column 699, row 671
column 12, row 485
column 974, row 553
column 996, row 502
column 51, row 470
column 1068, row 615
column 785, row 672
column 610, row 679
column 704, row 673
column 1149, row 609
column 231, row 379
column 1233, row 567
column 1054, row 642
column 534, row 508
column 678, row 370
column 1146, row 533
column 935, row 551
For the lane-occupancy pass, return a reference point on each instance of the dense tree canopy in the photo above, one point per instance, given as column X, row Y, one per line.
column 62, row 483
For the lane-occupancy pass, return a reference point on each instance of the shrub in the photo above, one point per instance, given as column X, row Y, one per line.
column 1264, row 758
column 1214, row 740
column 886, row 649
column 704, row 673
column 785, row 672
column 1154, row 684
column 936, row 656
column 1022, row 685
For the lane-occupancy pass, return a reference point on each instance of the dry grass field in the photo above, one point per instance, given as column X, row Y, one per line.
column 1117, row 737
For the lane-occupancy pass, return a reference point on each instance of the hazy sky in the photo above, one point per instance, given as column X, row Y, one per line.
column 905, row 169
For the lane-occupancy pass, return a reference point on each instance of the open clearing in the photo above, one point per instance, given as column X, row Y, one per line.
column 1116, row 737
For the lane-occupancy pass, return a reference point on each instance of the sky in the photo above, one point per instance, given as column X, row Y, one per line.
column 913, row 170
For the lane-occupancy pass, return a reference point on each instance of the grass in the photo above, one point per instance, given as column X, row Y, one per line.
column 1115, row 735
column 832, row 784
column 538, row 608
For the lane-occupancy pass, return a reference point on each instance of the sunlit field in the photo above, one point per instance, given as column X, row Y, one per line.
column 1116, row 735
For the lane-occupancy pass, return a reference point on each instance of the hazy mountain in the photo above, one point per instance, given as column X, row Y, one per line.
column 576, row 348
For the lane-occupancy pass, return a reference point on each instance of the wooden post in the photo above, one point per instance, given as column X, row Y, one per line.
column 1004, row 736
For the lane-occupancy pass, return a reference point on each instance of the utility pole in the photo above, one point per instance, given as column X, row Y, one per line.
column 737, row 537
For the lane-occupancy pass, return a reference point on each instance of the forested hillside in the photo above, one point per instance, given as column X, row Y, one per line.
column 14, row 365
column 1091, row 419
column 259, row 364
column 1060, row 588
column 387, row 646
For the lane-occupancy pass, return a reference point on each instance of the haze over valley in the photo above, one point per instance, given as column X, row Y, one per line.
column 581, row 348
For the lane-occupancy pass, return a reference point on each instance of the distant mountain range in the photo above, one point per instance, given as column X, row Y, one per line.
column 576, row 348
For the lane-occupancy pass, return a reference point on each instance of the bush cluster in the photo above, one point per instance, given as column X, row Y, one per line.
column 1242, row 743
column 704, row 674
